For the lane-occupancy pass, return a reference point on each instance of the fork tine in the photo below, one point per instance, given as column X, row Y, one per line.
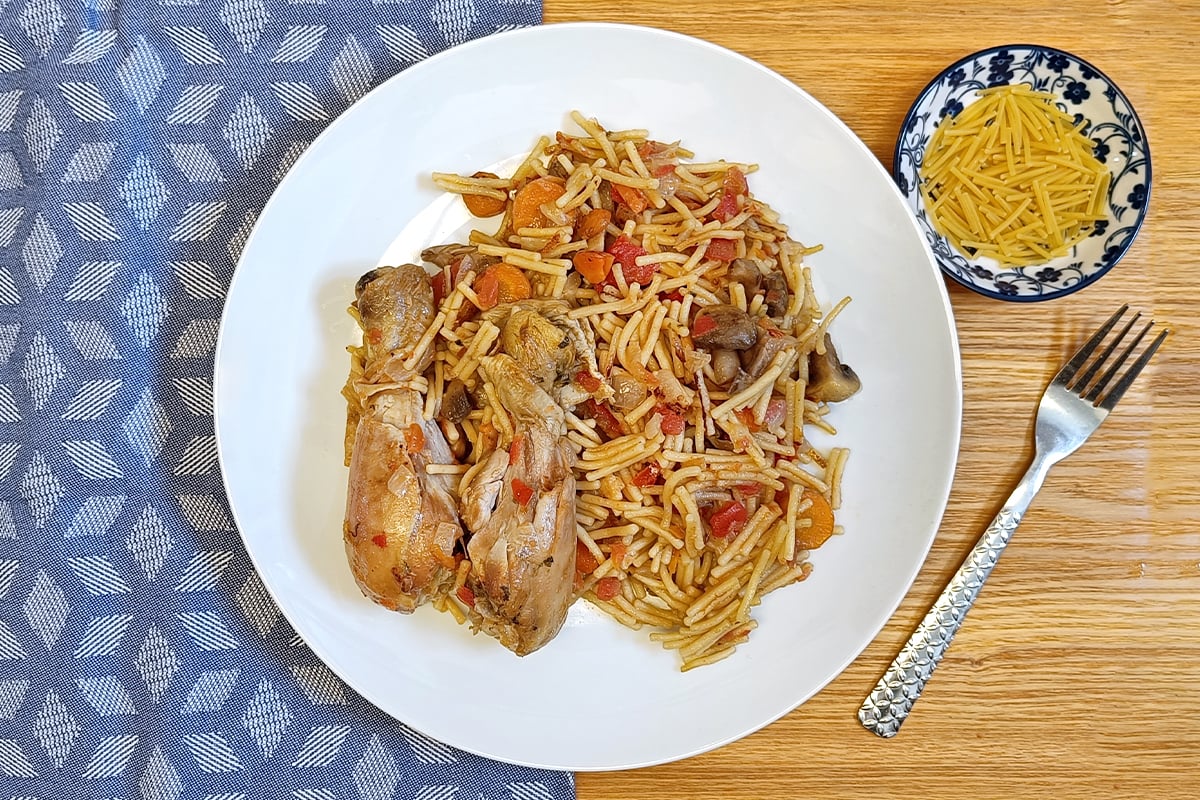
column 1081, row 355
column 1080, row 383
column 1095, row 391
column 1117, row 392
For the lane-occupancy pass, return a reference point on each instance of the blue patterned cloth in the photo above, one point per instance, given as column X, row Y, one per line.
column 140, row 656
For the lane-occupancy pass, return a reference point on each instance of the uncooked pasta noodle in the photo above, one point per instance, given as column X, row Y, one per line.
column 1013, row 178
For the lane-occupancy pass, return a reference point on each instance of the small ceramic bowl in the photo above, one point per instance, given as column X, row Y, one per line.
column 1082, row 91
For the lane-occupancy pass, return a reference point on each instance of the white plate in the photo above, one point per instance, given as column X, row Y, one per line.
column 599, row 696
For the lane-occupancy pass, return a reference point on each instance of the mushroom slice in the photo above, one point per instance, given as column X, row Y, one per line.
column 724, row 327
column 775, row 294
column 829, row 380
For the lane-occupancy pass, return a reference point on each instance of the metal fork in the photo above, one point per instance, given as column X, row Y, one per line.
column 1072, row 407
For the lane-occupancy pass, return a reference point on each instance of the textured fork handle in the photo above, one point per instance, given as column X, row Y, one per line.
column 886, row 708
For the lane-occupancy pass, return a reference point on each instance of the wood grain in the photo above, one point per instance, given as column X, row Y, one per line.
column 1076, row 674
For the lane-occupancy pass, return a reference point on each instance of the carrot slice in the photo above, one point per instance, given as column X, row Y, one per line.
column 481, row 205
column 821, row 514
column 527, row 204
column 596, row 221
column 502, row 283
column 631, row 197
column 592, row 265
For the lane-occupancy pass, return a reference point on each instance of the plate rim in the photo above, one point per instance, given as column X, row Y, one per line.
column 1145, row 146
column 940, row 497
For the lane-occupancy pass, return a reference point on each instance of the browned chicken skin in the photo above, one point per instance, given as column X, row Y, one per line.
column 520, row 506
column 401, row 523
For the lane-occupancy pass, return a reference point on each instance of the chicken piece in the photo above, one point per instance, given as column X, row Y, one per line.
column 520, row 510
column 401, row 523
column 551, row 346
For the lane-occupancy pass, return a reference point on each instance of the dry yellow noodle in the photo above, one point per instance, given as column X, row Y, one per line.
column 648, row 496
column 1012, row 178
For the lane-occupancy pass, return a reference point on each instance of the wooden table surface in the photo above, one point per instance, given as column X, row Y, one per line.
column 1078, row 671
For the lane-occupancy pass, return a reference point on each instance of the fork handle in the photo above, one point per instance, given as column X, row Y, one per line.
column 886, row 708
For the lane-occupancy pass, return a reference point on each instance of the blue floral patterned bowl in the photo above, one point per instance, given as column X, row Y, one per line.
column 1085, row 92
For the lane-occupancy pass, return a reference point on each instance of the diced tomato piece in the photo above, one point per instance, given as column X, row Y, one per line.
column 585, row 562
column 466, row 595
column 380, row 539
column 721, row 249
column 487, row 289
column 702, row 324
column 440, row 290
column 734, row 185
column 514, row 450
column 606, row 420
column 640, row 273
column 521, row 491
column 633, row 198
column 735, row 181
column 625, row 250
column 663, row 170
column 626, row 253
column 414, row 437
column 728, row 519
column 617, row 553
column 746, row 415
column 648, row 475
column 726, row 209
column 609, row 280
column 747, row 489
column 675, row 295
column 587, row 380
column 608, row 588
column 672, row 422
column 448, row 277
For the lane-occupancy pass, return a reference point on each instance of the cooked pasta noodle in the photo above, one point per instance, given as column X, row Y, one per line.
column 698, row 492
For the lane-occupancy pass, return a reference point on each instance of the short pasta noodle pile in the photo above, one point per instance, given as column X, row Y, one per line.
column 1013, row 178
column 707, row 358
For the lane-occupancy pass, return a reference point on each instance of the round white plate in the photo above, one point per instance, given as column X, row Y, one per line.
column 599, row 696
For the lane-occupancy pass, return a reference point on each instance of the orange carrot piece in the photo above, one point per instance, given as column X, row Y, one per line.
column 592, row 265
column 481, row 206
column 527, row 204
column 821, row 514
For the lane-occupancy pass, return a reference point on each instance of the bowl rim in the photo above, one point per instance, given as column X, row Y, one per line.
column 1143, row 212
